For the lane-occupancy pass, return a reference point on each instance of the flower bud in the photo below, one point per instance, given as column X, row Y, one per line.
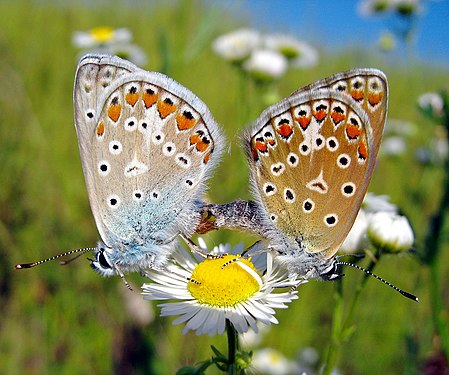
column 390, row 232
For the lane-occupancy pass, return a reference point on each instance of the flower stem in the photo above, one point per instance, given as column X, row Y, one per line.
column 233, row 346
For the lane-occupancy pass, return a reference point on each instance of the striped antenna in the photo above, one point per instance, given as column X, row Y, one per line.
column 79, row 252
column 403, row 292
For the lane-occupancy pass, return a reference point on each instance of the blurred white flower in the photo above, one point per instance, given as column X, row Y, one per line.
column 390, row 232
column 440, row 149
column 265, row 65
column 393, row 146
column 356, row 241
column 105, row 40
column 400, row 127
column 298, row 53
column 100, row 36
column 432, row 103
column 271, row 362
column 237, row 45
column 373, row 203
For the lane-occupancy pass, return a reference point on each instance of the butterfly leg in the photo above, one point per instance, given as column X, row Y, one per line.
column 194, row 248
column 122, row 276
column 246, row 255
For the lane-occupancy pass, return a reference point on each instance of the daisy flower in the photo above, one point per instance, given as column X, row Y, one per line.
column 224, row 286
column 266, row 65
column 236, row 46
column 298, row 53
column 272, row 362
column 431, row 103
column 99, row 36
column 109, row 41
column 391, row 232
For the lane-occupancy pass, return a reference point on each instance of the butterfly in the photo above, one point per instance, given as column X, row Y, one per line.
column 311, row 158
column 147, row 147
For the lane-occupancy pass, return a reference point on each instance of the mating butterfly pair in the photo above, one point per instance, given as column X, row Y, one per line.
column 148, row 145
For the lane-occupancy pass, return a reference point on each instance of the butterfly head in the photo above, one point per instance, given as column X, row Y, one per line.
column 102, row 262
column 302, row 264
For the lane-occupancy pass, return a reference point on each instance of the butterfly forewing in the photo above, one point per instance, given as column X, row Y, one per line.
column 368, row 88
column 159, row 147
column 146, row 144
column 312, row 157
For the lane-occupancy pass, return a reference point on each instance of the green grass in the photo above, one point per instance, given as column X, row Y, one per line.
column 68, row 320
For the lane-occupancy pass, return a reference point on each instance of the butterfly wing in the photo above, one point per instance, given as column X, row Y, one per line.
column 147, row 151
column 312, row 155
column 94, row 75
column 369, row 88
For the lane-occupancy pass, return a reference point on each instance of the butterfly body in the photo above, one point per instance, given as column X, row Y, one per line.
column 147, row 146
column 311, row 158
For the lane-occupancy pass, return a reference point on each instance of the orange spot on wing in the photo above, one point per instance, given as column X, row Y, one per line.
column 303, row 122
column 337, row 117
column 149, row 97
column 165, row 108
column 375, row 98
column 271, row 142
column 100, row 129
column 202, row 146
column 206, row 158
column 261, row 146
column 363, row 152
column 114, row 111
column 320, row 115
column 352, row 131
column 184, row 122
column 194, row 139
column 132, row 98
column 285, row 130
column 357, row 94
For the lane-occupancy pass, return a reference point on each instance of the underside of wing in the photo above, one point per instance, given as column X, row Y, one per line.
column 94, row 75
column 312, row 156
column 152, row 151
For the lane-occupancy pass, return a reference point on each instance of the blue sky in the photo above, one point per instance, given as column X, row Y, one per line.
column 334, row 24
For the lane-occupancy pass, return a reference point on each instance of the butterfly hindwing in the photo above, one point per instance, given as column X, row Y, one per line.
column 312, row 155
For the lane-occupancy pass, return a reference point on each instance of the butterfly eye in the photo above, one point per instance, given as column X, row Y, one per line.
column 102, row 260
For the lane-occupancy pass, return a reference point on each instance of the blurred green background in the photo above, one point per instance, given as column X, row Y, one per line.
column 68, row 320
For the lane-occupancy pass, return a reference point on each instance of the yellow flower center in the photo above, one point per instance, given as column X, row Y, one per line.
column 224, row 281
column 102, row 33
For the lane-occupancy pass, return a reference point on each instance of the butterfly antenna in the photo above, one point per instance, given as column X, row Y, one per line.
column 79, row 252
column 403, row 292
